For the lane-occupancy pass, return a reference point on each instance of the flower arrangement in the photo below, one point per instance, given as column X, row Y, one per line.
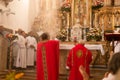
column 13, row 76
column 11, row 36
column 94, row 34
column 62, row 35
column 66, row 7
column 97, row 4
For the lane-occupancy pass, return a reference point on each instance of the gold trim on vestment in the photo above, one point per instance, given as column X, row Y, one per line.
column 44, row 63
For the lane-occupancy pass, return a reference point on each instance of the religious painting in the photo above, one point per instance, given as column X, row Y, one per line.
column 75, row 10
column 81, row 9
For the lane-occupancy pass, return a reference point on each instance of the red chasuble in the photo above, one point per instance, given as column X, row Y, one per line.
column 79, row 55
column 48, row 60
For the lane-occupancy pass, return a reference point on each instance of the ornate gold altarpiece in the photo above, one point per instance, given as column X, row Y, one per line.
column 108, row 16
column 81, row 9
column 105, row 18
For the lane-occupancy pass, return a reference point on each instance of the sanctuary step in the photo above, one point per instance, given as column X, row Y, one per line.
column 28, row 74
column 96, row 74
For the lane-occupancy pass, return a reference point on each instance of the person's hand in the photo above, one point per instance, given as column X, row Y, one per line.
column 106, row 74
column 31, row 46
column 83, row 73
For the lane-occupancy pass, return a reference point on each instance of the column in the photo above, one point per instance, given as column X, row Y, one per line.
column 72, row 12
column 90, row 11
column 68, row 25
column 95, row 23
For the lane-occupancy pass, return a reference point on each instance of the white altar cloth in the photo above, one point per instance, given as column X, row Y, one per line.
column 88, row 46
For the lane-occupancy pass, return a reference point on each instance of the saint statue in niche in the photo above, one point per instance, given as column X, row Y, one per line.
column 76, row 31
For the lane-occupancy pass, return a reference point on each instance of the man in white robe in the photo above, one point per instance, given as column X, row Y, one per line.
column 31, row 49
column 15, row 47
column 21, row 56
column 117, row 47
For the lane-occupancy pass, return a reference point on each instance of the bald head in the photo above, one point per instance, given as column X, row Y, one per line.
column 82, row 42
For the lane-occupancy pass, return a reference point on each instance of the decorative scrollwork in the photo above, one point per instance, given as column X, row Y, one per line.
column 6, row 2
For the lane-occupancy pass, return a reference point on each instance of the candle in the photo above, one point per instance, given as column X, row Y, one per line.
column 85, row 22
column 113, row 22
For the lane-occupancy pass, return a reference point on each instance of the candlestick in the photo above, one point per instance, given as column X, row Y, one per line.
column 95, row 21
column 67, row 33
column 85, row 22
column 84, row 30
column 68, row 19
column 80, row 34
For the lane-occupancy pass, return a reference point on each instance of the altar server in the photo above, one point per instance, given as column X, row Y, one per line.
column 117, row 46
column 21, row 55
column 31, row 49
column 78, row 56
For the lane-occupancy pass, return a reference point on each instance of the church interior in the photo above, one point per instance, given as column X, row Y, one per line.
column 97, row 22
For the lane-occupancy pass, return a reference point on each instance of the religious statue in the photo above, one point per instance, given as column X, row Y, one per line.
column 76, row 31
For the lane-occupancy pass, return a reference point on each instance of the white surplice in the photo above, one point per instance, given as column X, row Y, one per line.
column 113, row 77
column 21, row 55
column 31, row 50
column 15, row 51
column 117, row 47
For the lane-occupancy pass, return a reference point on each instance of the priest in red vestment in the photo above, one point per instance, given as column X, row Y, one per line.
column 47, row 59
column 78, row 56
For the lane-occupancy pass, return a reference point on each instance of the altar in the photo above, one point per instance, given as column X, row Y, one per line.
column 88, row 46
column 97, row 51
